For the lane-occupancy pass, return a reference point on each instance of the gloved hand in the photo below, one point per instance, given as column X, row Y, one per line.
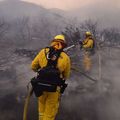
column 81, row 44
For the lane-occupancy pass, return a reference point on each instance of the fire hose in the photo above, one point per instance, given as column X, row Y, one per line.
column 82, row 73
column 27, row 101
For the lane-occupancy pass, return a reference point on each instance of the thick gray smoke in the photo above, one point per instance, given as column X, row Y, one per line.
column 83, row 98
column 100, row 100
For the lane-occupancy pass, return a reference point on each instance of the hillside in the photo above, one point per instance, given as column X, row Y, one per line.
column 23, row 18
column 12, row 9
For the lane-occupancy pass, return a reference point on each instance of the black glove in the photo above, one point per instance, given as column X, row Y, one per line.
column 81, row 44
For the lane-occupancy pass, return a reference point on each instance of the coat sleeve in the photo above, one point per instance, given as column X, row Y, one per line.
column 35, row 63
column 89, row 44
column 66, row 73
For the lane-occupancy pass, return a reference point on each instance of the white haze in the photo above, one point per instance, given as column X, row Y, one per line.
column 106, row 11
column 73, row 4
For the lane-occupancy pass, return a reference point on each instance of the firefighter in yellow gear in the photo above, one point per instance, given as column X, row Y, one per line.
column 87, row 45
column 48, row 102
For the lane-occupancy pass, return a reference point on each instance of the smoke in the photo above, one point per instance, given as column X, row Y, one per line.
column 109, row 108
column 100, row 100
column 73, row 4
column 106, row 11
column 83, row 99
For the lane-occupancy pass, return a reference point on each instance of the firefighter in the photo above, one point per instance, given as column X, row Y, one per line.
column 88, row 46
column 48, row 102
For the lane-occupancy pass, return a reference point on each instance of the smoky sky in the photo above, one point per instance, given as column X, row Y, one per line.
column 106, row 11
column 73, row 4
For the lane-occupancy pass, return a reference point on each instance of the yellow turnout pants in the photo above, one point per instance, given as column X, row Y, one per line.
column 48, row 105
column 87, row 61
